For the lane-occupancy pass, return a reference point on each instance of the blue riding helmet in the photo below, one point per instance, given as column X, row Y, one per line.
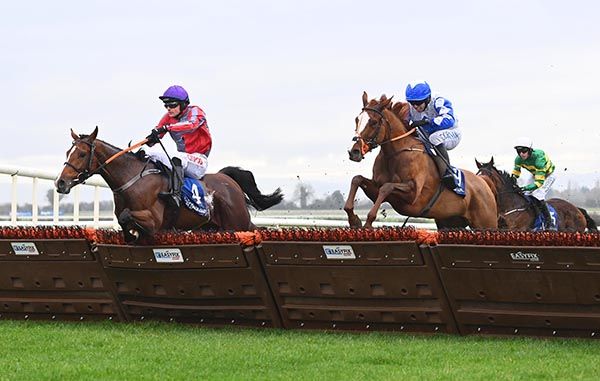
column 417, row 91
column 175, row 93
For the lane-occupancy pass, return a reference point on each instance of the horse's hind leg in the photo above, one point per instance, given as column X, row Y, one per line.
column 370, row 189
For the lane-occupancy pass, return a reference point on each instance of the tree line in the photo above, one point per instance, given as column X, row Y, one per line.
column 304, row 197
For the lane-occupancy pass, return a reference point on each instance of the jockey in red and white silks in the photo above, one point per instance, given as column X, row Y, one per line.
column 188, row 128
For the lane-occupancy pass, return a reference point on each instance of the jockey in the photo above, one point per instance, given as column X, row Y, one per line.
column 188, row 128
column 537, row 162
column 435, row 115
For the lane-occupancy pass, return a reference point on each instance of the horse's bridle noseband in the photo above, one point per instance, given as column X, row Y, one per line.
column 84, row 174
column 372, row 143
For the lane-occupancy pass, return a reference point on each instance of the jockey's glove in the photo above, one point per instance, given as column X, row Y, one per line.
column 419, row 123
column 155, row 135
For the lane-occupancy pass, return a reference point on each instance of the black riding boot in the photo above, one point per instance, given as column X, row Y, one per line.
column 442, row 160
column 547, row 217
column 173, row 198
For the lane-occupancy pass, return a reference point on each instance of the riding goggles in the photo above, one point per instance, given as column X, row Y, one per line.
column 171, row 104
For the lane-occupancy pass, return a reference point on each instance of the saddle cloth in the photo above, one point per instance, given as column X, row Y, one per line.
column 540, row 222
column 193, row 196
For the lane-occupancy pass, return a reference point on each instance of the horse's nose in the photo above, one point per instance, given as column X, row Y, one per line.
column 61, row 186
column 355, row 155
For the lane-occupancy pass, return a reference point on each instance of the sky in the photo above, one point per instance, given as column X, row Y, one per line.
column 281, row 81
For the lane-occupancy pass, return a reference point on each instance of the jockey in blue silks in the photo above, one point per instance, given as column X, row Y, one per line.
column 435, row 117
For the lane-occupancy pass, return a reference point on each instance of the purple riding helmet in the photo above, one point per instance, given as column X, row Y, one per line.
column 175, row 93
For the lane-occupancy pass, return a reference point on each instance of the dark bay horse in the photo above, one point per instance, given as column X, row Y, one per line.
column 406, row 176
column 516, row 213
column 136, row 182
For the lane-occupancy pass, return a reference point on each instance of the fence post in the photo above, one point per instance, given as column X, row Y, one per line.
column 13, row 201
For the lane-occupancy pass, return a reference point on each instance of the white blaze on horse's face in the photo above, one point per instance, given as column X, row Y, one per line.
column 363, row 119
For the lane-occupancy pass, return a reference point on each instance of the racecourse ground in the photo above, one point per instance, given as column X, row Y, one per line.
column 160, row 351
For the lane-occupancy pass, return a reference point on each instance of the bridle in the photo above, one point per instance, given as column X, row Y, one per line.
column 86, row 173
column 370, row 144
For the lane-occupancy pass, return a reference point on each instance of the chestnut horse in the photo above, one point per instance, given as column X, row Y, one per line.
column 136, row 182
column 406, row 176
column 516, row 212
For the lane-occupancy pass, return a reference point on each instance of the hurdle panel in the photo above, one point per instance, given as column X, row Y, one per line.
column 53, row 280
column 356, row 286
column 522, row 290
column 204, row 284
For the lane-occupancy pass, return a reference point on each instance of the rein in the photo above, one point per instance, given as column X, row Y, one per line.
column 86, row 173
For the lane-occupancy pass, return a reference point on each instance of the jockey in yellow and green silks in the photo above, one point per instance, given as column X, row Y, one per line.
column 539, row 164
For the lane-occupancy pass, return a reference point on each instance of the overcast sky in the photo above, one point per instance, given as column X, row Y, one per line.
column 281, row 81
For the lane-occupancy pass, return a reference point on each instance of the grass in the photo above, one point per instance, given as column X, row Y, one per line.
column 153, row 351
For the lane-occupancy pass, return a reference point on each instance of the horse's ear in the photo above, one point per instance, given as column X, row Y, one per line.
column 94, row 134
column 365, row 99
column 389, row 105
column 74, row 135
column 492, row 161
column 479, row 165
column 385, row 102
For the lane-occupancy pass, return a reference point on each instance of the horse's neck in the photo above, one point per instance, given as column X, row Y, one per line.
column 121, row 169
column 397, row 129
column 510, row 199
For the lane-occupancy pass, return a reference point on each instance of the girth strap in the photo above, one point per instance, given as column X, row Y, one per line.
column 432, row 201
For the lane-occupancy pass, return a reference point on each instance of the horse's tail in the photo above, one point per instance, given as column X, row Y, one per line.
column 591, row 224
column 245, row 180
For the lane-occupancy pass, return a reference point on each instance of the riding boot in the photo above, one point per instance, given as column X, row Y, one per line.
column 173, row 198
column 442, row 161
column 549, row 223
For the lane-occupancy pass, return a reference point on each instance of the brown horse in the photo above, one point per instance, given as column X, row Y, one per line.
column 516, row 212
column 136, row 182
column 406, row 176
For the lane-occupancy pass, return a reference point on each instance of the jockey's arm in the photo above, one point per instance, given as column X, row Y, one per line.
column 516, row 172
column 538, row 180
column 196, row 119
column 445, row 118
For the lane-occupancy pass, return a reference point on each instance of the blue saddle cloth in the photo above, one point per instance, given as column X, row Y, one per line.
column 459, row 184
column 540, row 222
column 192, row 194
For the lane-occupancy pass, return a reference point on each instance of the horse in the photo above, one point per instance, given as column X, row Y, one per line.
column 136, row 182
column 516, row 212
column 406, row 176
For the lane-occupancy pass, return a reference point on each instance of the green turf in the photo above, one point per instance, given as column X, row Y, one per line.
column 56, row 351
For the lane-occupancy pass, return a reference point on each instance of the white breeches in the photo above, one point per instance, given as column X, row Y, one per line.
column 542, row 191
column 194, row 164
column 449, row 137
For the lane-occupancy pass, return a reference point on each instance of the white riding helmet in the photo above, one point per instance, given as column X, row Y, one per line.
column 524, row 142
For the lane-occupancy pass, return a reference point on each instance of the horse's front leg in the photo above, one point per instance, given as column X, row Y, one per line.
column 370, row 189
column 385, row 190
column 137, row 224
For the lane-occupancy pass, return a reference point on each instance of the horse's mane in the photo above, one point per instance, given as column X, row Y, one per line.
column 140, row 154
column 509, row 181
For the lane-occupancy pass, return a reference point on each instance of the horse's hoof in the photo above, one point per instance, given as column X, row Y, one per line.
column 355, row 222
column 134, row 233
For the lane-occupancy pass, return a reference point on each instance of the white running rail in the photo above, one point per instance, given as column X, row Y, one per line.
column 35, row 175
column 97, row 221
